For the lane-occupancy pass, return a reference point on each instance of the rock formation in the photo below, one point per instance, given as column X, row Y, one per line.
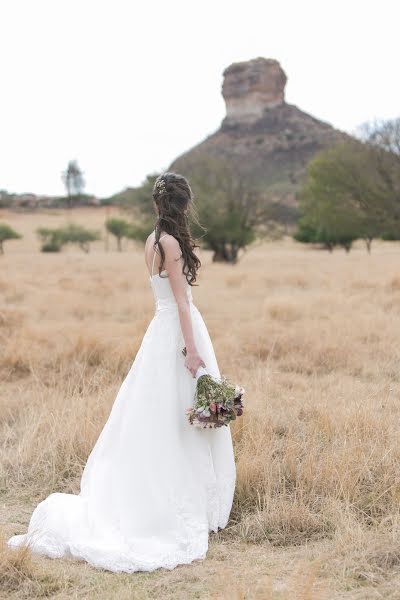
column 251, row 87
column 262, row 136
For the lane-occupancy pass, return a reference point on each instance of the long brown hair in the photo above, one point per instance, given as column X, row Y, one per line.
column 173, row 197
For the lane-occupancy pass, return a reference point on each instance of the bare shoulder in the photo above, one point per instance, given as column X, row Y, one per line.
column 150, row 239
column 170, row 244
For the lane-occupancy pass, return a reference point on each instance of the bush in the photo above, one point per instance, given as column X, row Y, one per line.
column 306, row 233
column 50, row 247
column 54, row 239
column 391, row 236
column 51, row 239
column 7, row 233
column 77, row 234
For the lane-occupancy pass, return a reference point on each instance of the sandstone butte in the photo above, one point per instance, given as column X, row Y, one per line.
column 262, row 136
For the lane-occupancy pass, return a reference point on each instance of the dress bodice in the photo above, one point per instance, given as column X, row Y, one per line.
column 162, row 291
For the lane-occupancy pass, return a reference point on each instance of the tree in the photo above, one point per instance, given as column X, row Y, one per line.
column 229, row 211
column 327, row 237
column 120, row 228
column 227, row 231
column 382, row 134
column 383, row 138
column 234, row 212
column 54, row 239
column 73, row 180
column 77, row 234
column 346, row 195
column 7, row 233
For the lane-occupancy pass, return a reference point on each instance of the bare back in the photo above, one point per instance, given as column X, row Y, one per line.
column 152, row 257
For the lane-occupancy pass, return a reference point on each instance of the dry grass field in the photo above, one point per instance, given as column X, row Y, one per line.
column 314, row 339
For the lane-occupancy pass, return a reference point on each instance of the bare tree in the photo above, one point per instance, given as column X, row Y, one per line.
column 73, row 180
column 383, row 134
column 384, row 138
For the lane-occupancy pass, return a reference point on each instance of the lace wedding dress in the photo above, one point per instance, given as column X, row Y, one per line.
column 153, row 486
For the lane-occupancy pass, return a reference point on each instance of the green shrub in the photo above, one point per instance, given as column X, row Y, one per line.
column 7, row 233
column 50, row 247
column 77, row 234
column 54, row 239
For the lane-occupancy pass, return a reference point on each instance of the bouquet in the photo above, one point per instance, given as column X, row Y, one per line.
column 217, row 402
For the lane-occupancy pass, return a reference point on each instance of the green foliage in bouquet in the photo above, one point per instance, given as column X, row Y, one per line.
column 217, row 402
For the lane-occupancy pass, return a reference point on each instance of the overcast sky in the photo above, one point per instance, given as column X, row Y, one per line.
column 125, row 86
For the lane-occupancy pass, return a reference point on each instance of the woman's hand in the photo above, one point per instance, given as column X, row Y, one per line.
column 193, row 362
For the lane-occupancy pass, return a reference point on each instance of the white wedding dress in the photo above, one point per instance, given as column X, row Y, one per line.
column 153, row 486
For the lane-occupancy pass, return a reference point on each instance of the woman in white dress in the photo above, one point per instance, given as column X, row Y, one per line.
column 153, row 486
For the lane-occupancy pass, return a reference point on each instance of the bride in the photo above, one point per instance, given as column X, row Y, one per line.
column 153, row 486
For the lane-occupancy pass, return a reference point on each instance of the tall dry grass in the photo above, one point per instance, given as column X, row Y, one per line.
column 22, row 577
column 313, row 337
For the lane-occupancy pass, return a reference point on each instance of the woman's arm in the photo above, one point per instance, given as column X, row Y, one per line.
column 173, row 266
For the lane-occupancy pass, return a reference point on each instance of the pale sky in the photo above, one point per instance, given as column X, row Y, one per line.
column 125, row 86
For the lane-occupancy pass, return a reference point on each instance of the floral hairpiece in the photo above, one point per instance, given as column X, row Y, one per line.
column 160, row 186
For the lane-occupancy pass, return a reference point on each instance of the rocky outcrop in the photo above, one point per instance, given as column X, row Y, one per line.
column 262, row 136
column 249, row 88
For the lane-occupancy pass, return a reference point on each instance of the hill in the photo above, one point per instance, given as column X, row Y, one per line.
column 262, row 136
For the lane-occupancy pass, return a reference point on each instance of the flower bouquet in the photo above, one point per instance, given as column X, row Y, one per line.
column 217, row 402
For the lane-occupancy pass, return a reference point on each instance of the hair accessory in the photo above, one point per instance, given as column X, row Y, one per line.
column 160, row 186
